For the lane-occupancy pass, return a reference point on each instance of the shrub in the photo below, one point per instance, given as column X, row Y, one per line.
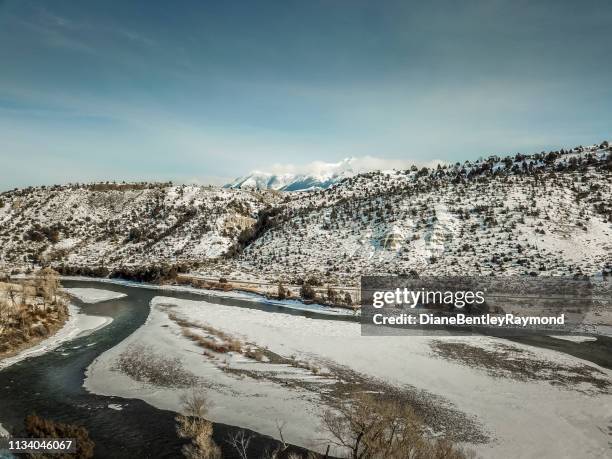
column 307, row 292
column 371, row 427
column 282, row 293
column 141, row 363
column 37, row 427
column 193, row 426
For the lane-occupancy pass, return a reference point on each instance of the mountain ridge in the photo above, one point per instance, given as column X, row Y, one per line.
column 546, row 213
column 329, row 174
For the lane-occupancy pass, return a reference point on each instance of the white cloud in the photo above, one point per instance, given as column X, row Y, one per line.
column 354, row 165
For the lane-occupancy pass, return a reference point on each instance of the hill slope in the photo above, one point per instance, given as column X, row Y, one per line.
column 111, row 225
column 544, row 213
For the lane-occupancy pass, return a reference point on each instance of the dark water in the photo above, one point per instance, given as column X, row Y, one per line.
column 50, row 385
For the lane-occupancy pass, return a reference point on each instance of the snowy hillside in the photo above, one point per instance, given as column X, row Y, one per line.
column 544, row 214
column 109, row 225
column 547, row 213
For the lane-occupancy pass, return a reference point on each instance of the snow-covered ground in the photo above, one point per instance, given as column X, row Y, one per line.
column 523, row 418
column 93, row 295
column 576, row 338
column 244, row 402
column 78, row 324
column 252, row 297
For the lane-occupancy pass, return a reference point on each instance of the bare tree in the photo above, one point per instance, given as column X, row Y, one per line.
column 195, row 402
column 12, row 294
column 47, row 285
column 281, row 291
column 370, row 428
column 195, row 427
column 281, row 448
column 240, row 442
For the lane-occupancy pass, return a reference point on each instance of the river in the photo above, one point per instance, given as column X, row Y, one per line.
column 51, row 385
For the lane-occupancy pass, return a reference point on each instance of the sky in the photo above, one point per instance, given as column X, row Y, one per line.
column 203, row 91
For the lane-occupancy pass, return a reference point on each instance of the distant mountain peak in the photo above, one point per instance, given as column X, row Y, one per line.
column 320, row 176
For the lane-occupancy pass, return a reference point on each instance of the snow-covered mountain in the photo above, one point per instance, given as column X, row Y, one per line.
column 540, row 214
column 545, row 213
column 323, row 176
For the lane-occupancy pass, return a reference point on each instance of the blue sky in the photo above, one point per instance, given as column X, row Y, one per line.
column 206, row 91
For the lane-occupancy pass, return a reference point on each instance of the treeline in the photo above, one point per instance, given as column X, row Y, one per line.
column 113, row 186
column 102, row 186
column 153, row 274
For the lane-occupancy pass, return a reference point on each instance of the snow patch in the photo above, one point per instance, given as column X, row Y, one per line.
column 93, row 295
column 575, row 339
